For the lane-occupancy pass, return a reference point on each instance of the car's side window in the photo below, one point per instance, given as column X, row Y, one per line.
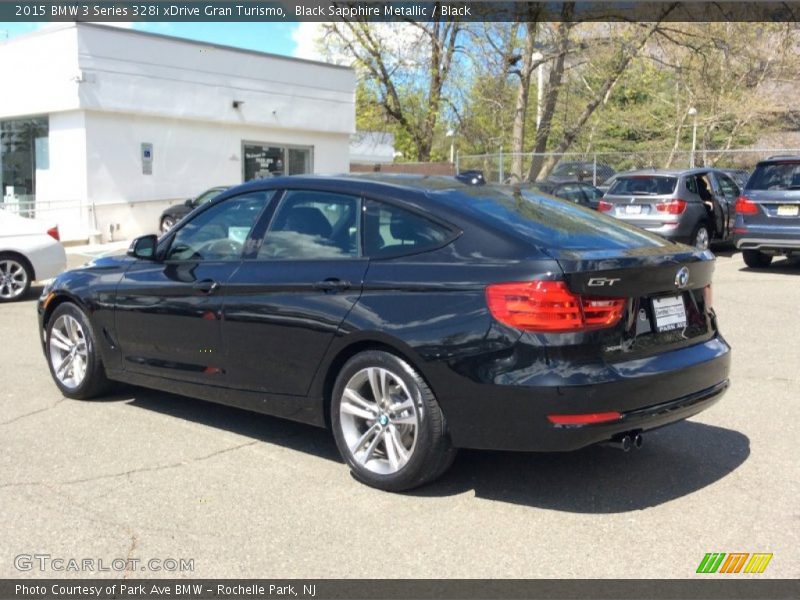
column 729, row 188
column 313, row 225
column 691, row 185
column 393, row 231
column 572, row 192
column 220, row 232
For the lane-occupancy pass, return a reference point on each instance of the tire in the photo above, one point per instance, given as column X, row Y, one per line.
column 392, row 450
column 69, row 333
column 167, row 223
column 756, row 260
column 701, row 237
column 16, row 276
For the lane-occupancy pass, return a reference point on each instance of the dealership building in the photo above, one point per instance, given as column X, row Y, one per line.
column 101, row 127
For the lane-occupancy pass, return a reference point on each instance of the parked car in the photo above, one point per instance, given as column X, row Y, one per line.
column 413, row 316
column 768, row 212
column 173, row 214
column 578, row 192
column 694, row 206
column 471, row 177
column 580, row 171
column 30, row 250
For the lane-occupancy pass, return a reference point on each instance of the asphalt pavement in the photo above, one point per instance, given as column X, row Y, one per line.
column 145, row 475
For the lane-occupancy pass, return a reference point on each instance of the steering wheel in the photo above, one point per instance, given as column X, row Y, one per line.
column 224, row 247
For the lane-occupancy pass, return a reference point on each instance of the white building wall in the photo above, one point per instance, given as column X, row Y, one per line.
column 108, row 90
column 188, row 157
column 39, row 73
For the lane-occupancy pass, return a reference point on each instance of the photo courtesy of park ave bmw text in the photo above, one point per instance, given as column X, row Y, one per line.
column 399, row 300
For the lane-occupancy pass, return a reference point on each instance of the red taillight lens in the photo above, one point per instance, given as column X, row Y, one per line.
column 604, row 206
column 549, row 307
column 53, row 233
column 673, row 207
column 745, row 206
column 584, row 419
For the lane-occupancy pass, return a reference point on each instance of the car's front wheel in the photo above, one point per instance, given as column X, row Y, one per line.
column 72, row 354
column 388, row 426
column 756, row 260
column 15, row 277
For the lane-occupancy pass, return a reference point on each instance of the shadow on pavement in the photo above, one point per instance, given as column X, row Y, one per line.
column 296, row 436
column 780, row 267
column 674, row 462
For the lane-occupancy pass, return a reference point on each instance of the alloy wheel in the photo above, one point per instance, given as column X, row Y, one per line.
column 379, row 420
column 69, row 354
column 13, row 279
column 701, row 239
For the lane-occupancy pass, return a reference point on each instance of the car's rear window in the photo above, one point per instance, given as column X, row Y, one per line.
column 553, row 223
column 776, row 176
column 650, row 185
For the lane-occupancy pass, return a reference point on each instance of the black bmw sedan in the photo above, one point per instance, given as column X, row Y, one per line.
column 413, row 316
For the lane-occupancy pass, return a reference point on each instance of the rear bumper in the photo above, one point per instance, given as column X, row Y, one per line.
column 767, row 241
column 649, row 393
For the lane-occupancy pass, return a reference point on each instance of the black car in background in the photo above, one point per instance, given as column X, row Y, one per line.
column 768, row 212
column 175, row 213
column 590, row 172
column 578, row 192
column 413, row 316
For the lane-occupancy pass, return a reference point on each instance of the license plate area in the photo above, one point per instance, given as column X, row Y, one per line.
column 633, row 209
column 788, row 210
column 669, row 313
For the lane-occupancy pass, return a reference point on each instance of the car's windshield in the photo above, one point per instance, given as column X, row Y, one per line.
column 776, row 176
column 648, row 185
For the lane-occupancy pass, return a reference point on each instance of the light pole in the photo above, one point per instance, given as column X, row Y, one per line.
column 452, row 135
column 539, row 57
column 693, row 113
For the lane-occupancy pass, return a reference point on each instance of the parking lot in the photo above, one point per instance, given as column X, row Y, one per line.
column 150, row 475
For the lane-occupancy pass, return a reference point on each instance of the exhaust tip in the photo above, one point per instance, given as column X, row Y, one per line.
column 638, row 441
column 624, row 443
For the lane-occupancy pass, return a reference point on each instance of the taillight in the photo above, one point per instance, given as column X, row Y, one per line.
column 53, row 233
column 604, row 206
column 745, row 206
column 584, row 419
column 550, row 307
column 672, row 207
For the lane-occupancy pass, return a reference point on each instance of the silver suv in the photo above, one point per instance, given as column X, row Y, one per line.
column 694, row 206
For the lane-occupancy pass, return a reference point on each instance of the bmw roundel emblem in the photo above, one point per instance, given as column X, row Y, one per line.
column 682, row 278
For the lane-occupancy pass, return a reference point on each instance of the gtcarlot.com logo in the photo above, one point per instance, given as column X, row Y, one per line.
column 47, row 562
column 734, row 562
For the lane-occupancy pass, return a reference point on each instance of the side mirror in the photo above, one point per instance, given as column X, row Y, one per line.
column 189, row 203
column 143, row 247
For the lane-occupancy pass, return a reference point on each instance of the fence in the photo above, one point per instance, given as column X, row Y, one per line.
column 596, row 167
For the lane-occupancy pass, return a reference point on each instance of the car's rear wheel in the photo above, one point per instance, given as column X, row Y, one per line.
column 701, row 238
column 388, row 426
column 756, row 260
column 16, row 276
column 72, row 354
column 167, row 223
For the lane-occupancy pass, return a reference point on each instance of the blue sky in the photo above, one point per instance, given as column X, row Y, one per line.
column 265, row 37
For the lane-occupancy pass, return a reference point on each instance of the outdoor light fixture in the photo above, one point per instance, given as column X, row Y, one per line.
column 237, row 104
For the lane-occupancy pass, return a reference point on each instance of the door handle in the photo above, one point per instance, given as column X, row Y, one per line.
column 206, row 286
column 331, row 285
